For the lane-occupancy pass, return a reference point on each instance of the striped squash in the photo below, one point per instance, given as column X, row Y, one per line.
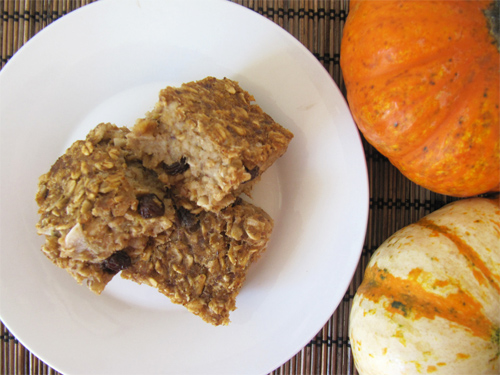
column 430, row 298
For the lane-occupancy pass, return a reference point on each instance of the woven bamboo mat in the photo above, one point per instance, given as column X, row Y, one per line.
column 394, row 201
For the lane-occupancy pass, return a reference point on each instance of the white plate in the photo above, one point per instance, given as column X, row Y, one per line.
column 107, row 62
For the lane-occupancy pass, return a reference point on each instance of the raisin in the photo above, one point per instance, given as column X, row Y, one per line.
column 237, row 201
column 254, row 172
column 150, row 206
column 151, row 242
column 176, row 168
column 186, row 218
column 116, row 262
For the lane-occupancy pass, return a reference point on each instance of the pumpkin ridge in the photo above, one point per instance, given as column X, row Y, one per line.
column 464, row 146
column 393, row 71
column 397, row 69
column 473, row 259
column 451, row 76
column 408, row 298
column 460, row 90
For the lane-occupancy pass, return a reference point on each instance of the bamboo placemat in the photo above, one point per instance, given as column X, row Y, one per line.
column 394, row 201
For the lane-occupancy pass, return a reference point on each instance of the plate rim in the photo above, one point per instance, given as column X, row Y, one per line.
column 78, row 12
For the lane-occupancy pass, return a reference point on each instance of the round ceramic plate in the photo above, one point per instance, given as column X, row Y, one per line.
column 106, row 62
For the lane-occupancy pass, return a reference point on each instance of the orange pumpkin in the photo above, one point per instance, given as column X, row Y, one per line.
column 430, row 298
column 422, row 80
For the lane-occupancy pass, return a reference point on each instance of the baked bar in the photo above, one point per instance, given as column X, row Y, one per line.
column 99, row 206
column 203, row 262
column 208, row 141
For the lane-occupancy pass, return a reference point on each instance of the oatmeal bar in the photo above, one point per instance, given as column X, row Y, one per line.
column 208, row 141
column 202, row 264
column 99, row 206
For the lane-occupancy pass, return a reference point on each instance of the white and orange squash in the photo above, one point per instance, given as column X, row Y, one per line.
column 430, row 298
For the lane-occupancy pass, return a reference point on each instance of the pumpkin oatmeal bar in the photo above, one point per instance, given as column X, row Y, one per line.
column 203, row 262
column 99, row 206
column 208, row 141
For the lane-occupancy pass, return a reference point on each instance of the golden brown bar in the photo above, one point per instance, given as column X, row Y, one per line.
column 208, row 141
column 99, row 206
column 203, row 263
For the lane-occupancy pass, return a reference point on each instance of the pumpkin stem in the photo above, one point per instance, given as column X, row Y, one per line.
column 492, row 17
